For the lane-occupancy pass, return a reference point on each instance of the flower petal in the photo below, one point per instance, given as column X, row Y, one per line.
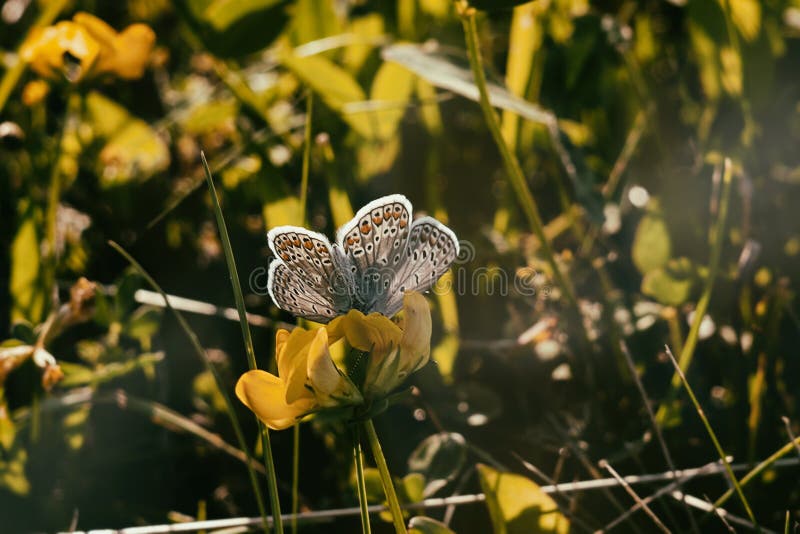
column 415, row 346
column 263, row 393
column 369, row 333
column 292, row 363
column 45, row 49
column 330, row 387
column 321, row 371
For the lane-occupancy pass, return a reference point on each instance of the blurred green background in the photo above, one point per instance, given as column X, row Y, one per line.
column 621, row 114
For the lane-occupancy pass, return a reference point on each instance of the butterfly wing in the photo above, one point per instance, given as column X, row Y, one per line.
column 432, row 247
column 289, row 292
column 375, row 240
column 303, row 277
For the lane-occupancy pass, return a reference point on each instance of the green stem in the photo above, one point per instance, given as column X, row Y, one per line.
column 58, row 180
column 306, row 158
column 687, row 353
column 386, row 478
column 722, row 456
column 713, row 269
column 12, row 75
column 201, row 353
column 757, row 470
column 358, row 458
column 272, row 482
column 295, row 476
column 513, row 169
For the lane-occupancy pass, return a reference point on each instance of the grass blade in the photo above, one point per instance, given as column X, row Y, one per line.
column 272, row 484
column 757, row 470
column 687, row 353
column 201, row 353
column 713, row 436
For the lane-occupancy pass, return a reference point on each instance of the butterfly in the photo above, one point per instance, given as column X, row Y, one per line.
column 380, row 254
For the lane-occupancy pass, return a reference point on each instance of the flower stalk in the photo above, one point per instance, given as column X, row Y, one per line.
column 358, row 458
column 386, row 478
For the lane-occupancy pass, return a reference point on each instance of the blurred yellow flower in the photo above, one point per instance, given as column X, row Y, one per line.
column 87, row 47
column 309, row 381
column 34, row 92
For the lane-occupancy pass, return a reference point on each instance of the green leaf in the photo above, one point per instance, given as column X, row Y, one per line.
column 518, row 506
column 335, row 86
column 366, row 30
column 131, row 150
column 314, row 19
column 206, row 389
column 391, row 90
column 143, row 324
column 25, row 284
column 234, row 28
column 746, row 16
column 75, row 426
column 443, row 71
column 76, row 375
column 280, row 207
column 373, row 485
column 671, row 284
column 651, row 245
column 212, row 116
column 425, row 525
column 440, row 458
column 12, row 471
column 412, row 487
column 125, row 297
column 7, row 430
column 496, row 5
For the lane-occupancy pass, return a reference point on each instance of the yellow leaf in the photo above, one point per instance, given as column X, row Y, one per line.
column 367, row 30
column 746, row 16
column 27, row 294
column 518, row 506
column 391, row 90
column 651, row 244
column 335, row 86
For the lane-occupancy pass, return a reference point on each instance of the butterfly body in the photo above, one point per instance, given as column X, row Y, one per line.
column 378, row 255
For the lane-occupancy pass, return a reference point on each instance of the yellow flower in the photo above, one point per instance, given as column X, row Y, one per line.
column 308, row 381
column 93, row 47
column 395, row 350
column 46, row 48
column 34, row 92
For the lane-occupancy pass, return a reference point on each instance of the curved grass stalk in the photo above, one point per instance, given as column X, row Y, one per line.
column 269, row 463
column 714, row 439
column 386, row 478
column 687, row 353
column 295, row 475
column 201, row 353
column 513, row 169
column 306, row 158
column 760, row 468
column 358, row 458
